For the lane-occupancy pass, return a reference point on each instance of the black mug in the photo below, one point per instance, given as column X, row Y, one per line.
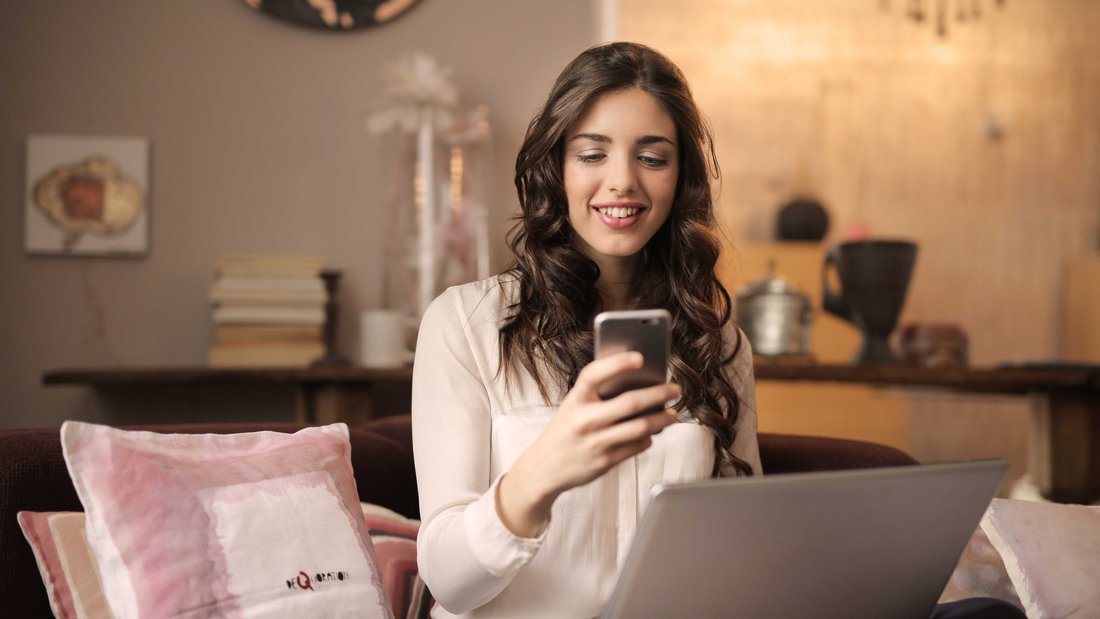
column 874, row 279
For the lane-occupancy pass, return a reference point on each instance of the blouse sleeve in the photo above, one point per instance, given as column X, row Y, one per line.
column 465, row 554
column 741, row 375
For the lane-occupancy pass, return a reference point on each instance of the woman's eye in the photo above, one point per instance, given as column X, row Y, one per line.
column 653, row 162
column 590, row 158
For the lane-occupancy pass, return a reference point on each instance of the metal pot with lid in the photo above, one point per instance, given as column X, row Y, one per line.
column 775, row 315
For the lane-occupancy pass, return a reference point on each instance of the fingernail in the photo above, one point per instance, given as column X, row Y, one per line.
column 637, row 357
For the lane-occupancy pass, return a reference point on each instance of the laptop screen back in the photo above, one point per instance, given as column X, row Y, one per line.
column 865, row 543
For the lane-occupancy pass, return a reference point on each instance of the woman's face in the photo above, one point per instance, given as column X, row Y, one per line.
column 620, row 169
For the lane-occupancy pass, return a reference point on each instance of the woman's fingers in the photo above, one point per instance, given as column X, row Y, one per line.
column 594, row 374
column 590, row 435
column 630, row 438
column 629, row 449
column 632, row 430
column 631, row 403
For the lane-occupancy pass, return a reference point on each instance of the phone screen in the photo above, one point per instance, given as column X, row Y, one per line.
column 644, row 331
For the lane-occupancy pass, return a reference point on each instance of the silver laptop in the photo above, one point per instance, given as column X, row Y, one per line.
column 864, row 543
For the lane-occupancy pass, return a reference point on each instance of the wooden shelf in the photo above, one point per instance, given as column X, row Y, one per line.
column 1065, row 422
column 323, row 394
column 1009, row 380
column 180, row 375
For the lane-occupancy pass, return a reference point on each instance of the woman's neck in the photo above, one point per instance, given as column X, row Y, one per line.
column 616, row 281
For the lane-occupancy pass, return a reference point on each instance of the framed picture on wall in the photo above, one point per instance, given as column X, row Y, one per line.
column 87, row 196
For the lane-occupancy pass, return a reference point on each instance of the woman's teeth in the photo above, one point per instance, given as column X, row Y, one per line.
column 618, row 213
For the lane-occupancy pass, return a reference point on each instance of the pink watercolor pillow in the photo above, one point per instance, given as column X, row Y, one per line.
column 394, row 538
column 1051, row 553
column 258, row 524
column 75, row 588
column 66, row 563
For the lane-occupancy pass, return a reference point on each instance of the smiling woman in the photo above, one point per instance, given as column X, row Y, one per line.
column 509, row 426
column 620, row 169
column 334, row 14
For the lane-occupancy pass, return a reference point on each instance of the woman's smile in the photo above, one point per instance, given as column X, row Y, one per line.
column 619, row 215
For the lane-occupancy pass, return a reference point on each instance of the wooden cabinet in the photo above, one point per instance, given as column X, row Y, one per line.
column 1081, row 330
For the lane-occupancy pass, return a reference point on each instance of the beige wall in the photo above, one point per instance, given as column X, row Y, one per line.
column 891, row 126
column 257, row 146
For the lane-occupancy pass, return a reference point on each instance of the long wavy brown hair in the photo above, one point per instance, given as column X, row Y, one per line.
column 548, row 331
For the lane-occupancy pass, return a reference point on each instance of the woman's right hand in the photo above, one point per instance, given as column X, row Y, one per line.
column 587, row 437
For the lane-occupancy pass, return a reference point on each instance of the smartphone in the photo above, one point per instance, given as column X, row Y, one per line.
column 644, row 331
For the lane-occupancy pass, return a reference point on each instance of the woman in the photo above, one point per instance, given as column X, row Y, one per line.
column 530, row 490
column 530, row 485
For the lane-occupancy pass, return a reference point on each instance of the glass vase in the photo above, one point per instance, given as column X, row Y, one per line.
column 437, row 224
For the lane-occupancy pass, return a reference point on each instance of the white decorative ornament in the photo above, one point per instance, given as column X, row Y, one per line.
column 437, row 231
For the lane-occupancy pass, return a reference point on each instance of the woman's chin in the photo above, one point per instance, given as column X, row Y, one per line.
column 618, row 253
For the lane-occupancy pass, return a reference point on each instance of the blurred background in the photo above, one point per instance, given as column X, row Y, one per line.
column 970, row 127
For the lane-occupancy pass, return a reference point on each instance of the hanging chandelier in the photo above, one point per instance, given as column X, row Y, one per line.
column 943, row 13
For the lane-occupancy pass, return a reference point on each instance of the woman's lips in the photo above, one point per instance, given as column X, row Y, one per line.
column 610, row 214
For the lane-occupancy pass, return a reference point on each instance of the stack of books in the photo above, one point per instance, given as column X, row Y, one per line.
column 269, row 311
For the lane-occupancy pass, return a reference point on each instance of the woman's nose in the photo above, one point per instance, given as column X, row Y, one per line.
column 621, row 176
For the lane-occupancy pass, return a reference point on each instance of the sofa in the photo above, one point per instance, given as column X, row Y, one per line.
column 33, row 477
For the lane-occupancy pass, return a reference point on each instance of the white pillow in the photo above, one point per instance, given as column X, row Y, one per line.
column 980, row 572
column 1051, row 553
column 263, row 524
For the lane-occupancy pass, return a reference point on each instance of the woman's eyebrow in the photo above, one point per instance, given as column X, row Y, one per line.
column 645, row 139
column 595, row 137
column 654, row 139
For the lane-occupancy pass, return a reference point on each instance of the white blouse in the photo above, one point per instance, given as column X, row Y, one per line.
column 468, row 429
